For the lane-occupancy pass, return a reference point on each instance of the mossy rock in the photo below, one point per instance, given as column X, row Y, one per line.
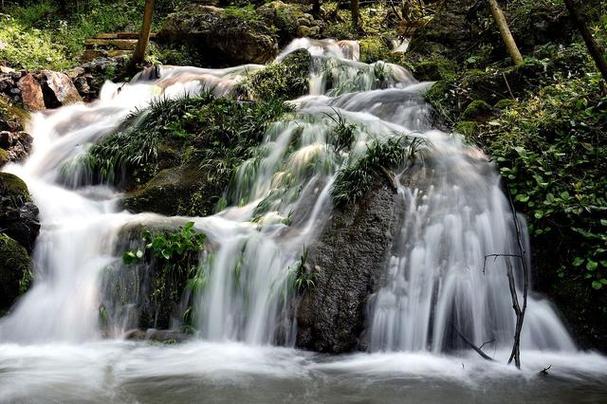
column 285, row 80
column 434, row 69
column 504, row 104
column 4, row 157
column 218, row 36
column 479, row 111
column 18, row 214
column 373, row 49
column 15, row 271
column 178, row 191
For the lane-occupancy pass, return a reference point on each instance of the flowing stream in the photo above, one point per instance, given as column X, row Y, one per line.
column 52, row 348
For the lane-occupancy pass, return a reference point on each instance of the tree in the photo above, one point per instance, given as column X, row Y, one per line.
column 355, row 9
column 144, row 36
column 502, row 25
column 595, row 50
column 316, row 8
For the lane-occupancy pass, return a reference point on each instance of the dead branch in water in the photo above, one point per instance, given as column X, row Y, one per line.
column 478, row 350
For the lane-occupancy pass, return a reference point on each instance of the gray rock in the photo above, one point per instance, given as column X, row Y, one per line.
column 346, row 264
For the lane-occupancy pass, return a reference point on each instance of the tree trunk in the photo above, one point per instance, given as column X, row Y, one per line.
column 502, row 25
column 594, row 48
column 316, row 8
column 144, row 36
column 355, row 9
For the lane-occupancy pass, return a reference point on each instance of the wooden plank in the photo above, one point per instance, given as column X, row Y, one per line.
column 131, row 35
column 106, row 35
column 125, row 44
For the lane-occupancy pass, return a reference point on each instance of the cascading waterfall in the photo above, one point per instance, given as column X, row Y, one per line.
column 454, row 215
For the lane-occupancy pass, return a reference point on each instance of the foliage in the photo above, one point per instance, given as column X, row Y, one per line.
column 29, row 48
column 173, row 258
column 50, row 34
column 359, row 174
column 300, row 277
column 170, row 247
column 552, row 151
column 342, row 134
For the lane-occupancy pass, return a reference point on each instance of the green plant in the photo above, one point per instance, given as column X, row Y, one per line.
column 342, row 135
column 300, row 278
column 170, row 247
column 359, row 173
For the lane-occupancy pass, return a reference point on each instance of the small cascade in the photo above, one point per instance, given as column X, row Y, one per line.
column 434, row 286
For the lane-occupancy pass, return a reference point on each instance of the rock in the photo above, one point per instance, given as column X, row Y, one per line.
column 219, row 38
column 176, row 191
column 478, row 111
column 6, row 69
column 31, row 93
column 152, row 291
column 16, row 145
column 58, row 89
column 346, row 264
column 18, row 214
column 287, row 79
column 162, row 336
column 15, row 271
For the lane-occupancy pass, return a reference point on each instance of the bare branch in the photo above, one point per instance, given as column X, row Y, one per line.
column 471, row 345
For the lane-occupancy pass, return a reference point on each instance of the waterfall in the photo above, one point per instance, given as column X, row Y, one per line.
column 454, row 214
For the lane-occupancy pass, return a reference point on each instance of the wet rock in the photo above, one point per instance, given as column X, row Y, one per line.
column 18, row 214
column 15, row 145
column 219, row 38
column 162, row 336
column 31, row 93
column 176, row 191
column 346, row 264
column 150, row 292
column 90, row 77
column 58, row 89
column 15, row 271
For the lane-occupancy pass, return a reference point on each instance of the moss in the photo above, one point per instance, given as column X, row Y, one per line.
column 4, row 158
column 477, row 110
column 13, row 190
column 15, row 270
column 373, row 49
column 284, row 80
column 179, row 191
column 434, row 68
column 504, row 104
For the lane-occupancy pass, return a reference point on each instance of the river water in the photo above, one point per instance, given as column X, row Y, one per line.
column 53, row 350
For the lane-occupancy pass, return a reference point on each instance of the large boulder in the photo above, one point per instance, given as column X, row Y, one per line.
column 346, row 265
column 147, row 290
column 217, row 37
column 31, row 93
column 58, row 89
column 182, row 190
column 18, row 214
column 15, row 271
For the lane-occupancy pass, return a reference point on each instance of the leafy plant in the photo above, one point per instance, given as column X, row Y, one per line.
column 359, row 174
